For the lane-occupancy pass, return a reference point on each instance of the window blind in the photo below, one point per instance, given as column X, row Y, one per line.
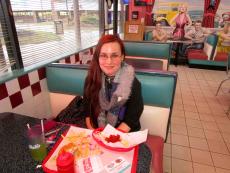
column 6, row 56
column 47, row 29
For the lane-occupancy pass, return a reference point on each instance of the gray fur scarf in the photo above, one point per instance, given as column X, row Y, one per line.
column 110, row 109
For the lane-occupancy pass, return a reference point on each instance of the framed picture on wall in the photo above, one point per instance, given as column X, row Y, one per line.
column 143, row 2
column 135, row 15
column 134, row 30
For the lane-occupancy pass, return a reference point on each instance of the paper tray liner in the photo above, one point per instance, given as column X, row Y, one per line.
column 49, row 165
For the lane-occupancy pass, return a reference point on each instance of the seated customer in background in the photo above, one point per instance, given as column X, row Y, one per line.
column 197, row 35
column 112, row 91
column 158, row 33
column 224, row 39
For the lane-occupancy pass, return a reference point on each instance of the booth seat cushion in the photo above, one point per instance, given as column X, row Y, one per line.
column 155, row 119
column 148, row 36
column 207, row 52
column 221, row 56
column 198, row 54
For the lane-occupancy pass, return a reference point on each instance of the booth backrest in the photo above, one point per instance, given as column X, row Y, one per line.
column 212, row 39
column 148, row 49
column 66, row 79
column 148, row 36
column 157, row 87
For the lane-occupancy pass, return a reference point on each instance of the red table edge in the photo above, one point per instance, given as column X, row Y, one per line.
column 45, row 169
column 134, row 163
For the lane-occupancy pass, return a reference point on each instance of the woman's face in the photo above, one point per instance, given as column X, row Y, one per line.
column 110, row 58
column 182, row 8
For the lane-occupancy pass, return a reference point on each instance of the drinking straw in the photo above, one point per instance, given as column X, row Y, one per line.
column 50, row 142
column 51, row 132
column 42, row 125
column 28, row 125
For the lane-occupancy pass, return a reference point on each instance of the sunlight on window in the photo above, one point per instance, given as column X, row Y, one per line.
column 48, row 29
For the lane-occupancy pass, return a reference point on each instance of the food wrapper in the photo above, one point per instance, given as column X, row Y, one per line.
column 126, row 140
column 89, row 156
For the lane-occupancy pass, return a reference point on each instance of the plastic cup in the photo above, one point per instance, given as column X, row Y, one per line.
column 36, row 142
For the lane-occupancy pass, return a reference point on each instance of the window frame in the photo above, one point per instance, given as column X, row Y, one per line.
column 10, row 36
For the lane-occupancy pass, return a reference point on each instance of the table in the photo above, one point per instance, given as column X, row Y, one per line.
column 178, row 47
column 142, row 63
column 15, row 155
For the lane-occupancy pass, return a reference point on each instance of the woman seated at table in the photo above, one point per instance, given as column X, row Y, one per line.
column 158, row 33
column 224, row 39
column 112, row 92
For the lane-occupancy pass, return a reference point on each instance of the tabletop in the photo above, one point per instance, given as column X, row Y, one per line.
column 141, row 63
column 15, row 155
column 184, row 41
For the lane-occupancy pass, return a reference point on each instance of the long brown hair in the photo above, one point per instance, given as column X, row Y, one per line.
column 93, row 80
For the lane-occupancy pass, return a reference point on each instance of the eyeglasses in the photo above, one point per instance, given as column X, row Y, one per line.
column 113, row 57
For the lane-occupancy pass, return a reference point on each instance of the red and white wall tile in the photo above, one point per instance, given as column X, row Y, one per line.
column 27, row 94
column 83, row 57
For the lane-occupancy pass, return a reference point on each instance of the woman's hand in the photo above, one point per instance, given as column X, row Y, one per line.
column 124, row 127
column 88, row 123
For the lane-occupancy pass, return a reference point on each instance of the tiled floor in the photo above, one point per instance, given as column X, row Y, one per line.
column 199, row 139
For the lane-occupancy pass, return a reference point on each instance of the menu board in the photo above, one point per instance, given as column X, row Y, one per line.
column 134, row 30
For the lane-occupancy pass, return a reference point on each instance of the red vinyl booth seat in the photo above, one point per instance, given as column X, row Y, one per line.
column 197, row 54
column 221, row 56
column 207, row 52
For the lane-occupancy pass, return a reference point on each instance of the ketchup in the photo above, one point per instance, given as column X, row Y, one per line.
column 65, row 163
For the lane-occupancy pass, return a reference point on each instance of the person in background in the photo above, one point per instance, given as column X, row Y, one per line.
column 181, row 19
column 197, row 34
column 224, row 39
column 158, row 33
column 112, row 92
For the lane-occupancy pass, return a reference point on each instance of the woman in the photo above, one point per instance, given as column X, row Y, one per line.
column 158, row 33
column 180, row 20
column 112, row 92
column 224, row 39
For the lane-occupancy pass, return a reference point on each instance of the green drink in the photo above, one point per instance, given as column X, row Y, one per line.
column 38, row 151
column 37, row 144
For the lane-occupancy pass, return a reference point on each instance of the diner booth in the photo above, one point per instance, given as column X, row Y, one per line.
column 142, row 20
column 34, row 95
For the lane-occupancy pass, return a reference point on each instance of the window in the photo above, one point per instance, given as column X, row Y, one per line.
column 49, row 29
column 6, row 50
